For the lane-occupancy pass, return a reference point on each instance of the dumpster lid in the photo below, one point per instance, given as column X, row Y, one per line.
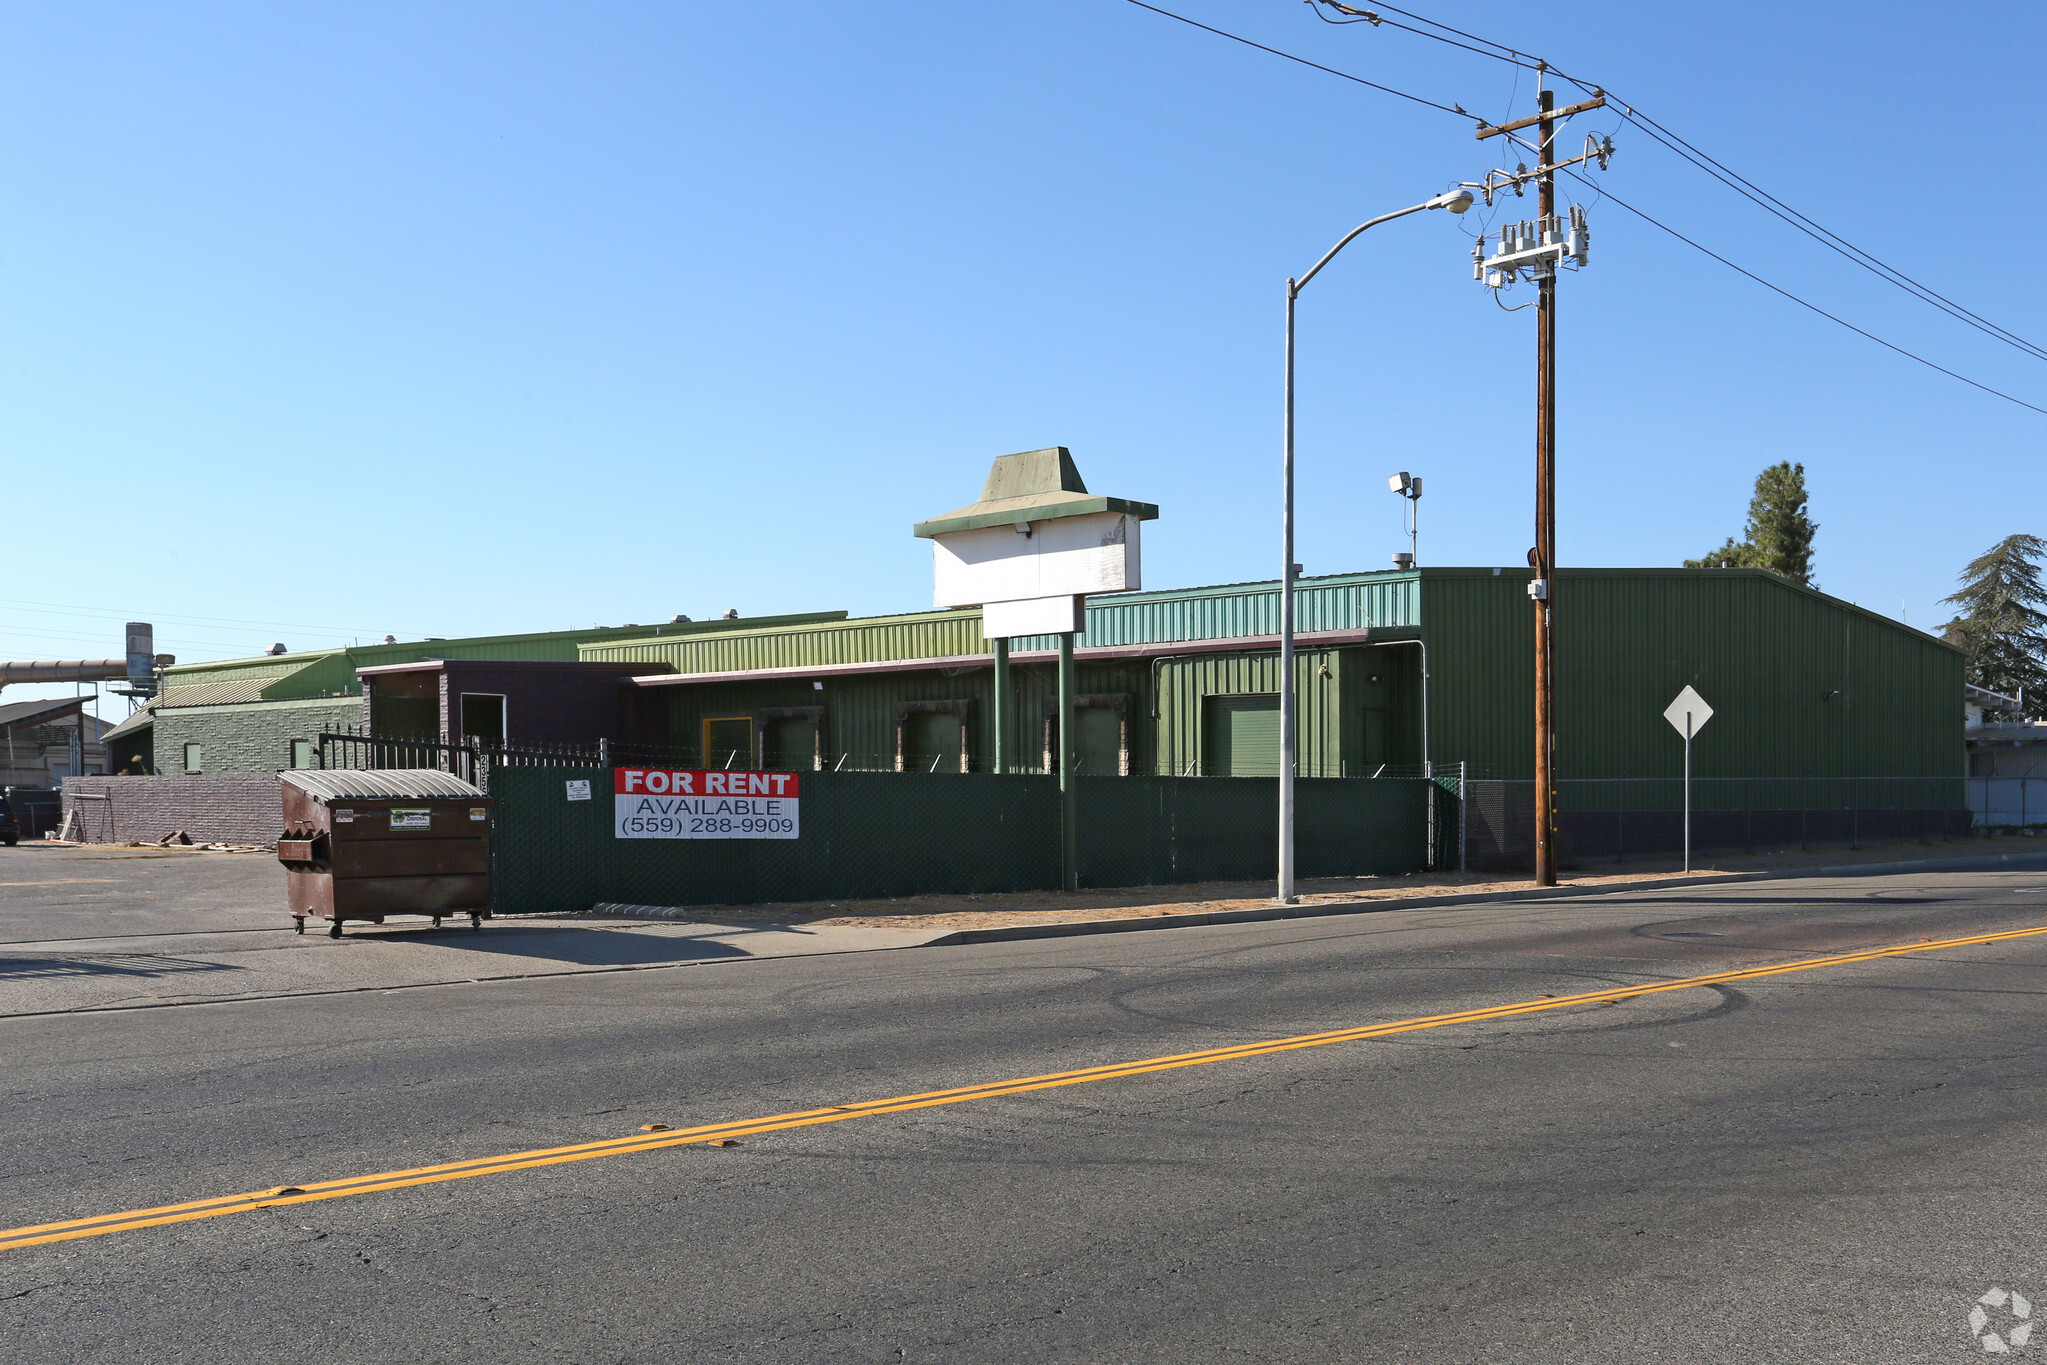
column 380, row 784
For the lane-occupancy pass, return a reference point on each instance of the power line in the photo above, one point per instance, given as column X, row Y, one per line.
column 1235, row 38
column 1601, row 189
column 1778, row 289
column 1740, row 184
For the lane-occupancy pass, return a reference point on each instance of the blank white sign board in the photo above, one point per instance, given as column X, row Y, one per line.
column 1688, row 704
column 1033, row 616
column 1063, row 557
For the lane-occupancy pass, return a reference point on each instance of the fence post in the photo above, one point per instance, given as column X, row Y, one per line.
column 1069, row 834
column 1435, row 850
column 1005, row 706
column 1463, row 808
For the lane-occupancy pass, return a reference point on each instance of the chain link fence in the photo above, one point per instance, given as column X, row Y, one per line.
column 1614, row 819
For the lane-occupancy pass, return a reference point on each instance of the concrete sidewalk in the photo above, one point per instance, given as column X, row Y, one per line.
column 141, row 971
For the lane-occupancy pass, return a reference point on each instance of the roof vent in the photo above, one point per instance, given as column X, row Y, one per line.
column 278, row 649
column 677, row 620
column 390, row 639
column 732, row 613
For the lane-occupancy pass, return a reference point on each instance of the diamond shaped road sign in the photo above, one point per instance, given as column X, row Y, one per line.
column 1689, row 704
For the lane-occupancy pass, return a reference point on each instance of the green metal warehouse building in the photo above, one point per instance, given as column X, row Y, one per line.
column 1395, row 670
column 1831, row 723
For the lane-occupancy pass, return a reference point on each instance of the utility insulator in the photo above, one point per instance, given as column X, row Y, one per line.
column 1534, row 250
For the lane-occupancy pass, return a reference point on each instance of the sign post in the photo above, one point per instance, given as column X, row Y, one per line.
column 1028, row 554
column 1688, row 715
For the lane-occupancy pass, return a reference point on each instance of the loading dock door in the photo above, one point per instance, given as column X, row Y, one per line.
column 789, row 742
column 1098, row 736
column 1241, row 735
column 931, row 742
column 728, row 742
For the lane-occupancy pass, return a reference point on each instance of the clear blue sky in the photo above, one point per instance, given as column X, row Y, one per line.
column 323, row 322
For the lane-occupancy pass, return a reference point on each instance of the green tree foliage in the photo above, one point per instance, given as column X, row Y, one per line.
column 1779, row 533
column 2001, row 622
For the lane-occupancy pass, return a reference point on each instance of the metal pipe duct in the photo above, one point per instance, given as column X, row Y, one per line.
column 58, row 670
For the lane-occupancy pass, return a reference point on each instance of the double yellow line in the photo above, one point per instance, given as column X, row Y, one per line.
column 282, row 1196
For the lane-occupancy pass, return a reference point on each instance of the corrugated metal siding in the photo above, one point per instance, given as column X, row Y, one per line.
column 859, row 720
column 337, row 671
column 1346, row 602
column 259, row 673
column 1183, row 683
column 1232, row 611
column 1764, row 654
column 1480, row 631
column 876, row 639
column 331, row 675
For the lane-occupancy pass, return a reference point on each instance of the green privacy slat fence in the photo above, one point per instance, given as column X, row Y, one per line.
column 1150, row 831
column 898, row 834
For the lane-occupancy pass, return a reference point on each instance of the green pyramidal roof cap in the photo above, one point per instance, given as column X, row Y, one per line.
column 1034, row 485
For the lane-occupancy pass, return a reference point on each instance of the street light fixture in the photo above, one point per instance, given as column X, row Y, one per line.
column 1457, row 201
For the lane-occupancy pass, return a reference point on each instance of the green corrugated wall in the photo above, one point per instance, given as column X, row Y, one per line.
column 1801, row 684
column 1378, row 601
column 922, row 635
column 859, row 720
column 1185, row 682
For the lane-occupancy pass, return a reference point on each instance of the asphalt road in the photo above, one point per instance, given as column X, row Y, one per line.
column 1822, row 1166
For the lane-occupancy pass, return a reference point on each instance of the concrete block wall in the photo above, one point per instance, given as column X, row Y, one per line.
column 250, row 737
column 228, row 808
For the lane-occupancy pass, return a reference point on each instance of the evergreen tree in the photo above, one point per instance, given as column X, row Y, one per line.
column 2001, row 622
column 1779, row 533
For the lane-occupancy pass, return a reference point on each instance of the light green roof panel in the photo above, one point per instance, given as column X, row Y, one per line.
column 874, row 639
column 291, row 675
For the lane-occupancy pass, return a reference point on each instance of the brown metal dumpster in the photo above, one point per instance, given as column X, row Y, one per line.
column 363, row 845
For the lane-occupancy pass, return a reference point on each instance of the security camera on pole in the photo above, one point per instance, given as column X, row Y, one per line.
column 1409, row 487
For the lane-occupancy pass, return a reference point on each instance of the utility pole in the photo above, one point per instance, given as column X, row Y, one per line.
column 1538, row 250
column 1545, row 517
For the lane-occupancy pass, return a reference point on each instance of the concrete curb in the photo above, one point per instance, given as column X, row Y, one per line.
column 1379, row 905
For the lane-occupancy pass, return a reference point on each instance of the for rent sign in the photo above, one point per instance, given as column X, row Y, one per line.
column 669, row 803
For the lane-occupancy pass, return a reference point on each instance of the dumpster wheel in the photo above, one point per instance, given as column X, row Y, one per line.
column 476, row 921
column 298, row 924
column 334, row 929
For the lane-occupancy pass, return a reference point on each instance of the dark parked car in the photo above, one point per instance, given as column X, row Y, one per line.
column 10, row 828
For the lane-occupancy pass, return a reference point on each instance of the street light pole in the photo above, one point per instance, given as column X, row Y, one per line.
column 1457, row 201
